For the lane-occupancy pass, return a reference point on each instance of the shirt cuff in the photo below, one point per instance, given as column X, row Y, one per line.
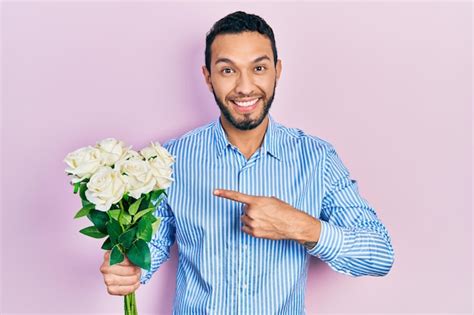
column 146, row 276
column 329, row 243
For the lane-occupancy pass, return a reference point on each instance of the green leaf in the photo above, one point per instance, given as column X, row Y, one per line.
column 145, row 204
column 139, row 254
column 141, row 214
column 92, row 231
column 155, row 225
column 114, row 214
column 82, row 190
column 86, row 202
column 114, row 230
column 156, row 195
column 134, row 207
column 127, row 237
column 76, row 187
column 107, row 245
column 116, row 256
column 156, row 202
column 125, row 218
column 149, row 217
column 144, row 230
column 99, row 218
column 82, row 193
column 84, row 210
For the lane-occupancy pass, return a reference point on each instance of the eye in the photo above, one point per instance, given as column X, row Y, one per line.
column 260, row 68
column 227, row 71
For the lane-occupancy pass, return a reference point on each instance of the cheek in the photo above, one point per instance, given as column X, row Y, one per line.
column 266, row 83
column 267, row 87
column 222, row 88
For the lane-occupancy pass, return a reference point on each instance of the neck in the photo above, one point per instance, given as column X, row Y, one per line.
column 247, row 141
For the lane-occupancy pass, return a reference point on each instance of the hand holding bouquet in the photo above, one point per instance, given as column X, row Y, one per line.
column 119, row 190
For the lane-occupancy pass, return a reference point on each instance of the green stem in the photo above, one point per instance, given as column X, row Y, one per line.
column 130, row 304
column 120, row 214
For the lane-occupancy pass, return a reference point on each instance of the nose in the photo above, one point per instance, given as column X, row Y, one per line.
column 244, row 84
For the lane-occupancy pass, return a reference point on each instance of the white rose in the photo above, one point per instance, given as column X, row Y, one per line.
column 132, row 155
column 105, row 188
column 129, row 155
column 162, row 173
column 156, row 150
column 138, row 176
column 83, row 162
column 112, row 150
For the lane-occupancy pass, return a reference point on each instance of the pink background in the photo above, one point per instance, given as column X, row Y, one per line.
column 389, row 84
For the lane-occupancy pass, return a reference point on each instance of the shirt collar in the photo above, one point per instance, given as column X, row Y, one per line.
column 269, row 144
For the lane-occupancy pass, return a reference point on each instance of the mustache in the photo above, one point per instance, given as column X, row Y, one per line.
column 242, row 97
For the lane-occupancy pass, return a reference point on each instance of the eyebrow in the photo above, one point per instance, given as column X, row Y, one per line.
column 227, row 60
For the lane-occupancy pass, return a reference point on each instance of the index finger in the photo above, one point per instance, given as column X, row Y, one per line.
column 234, row 195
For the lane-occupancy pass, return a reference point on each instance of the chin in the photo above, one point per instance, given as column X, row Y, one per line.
column 244, row 121
column 250, row 123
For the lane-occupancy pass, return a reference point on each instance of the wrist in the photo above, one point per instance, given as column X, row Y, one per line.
column 308, row 231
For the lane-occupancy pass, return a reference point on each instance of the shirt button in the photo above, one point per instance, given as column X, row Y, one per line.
column 245, row 286
column 245, row 247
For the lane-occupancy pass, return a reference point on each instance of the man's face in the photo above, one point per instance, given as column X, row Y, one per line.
column 243, row 77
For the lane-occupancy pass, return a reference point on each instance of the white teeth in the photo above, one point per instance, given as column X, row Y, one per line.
column 246, row 104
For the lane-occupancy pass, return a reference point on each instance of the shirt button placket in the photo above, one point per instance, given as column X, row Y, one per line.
column 244, row 245
column 240, row 254
column 238, row 262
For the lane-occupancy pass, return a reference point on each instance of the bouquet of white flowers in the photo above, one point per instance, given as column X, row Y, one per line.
column 119, row 189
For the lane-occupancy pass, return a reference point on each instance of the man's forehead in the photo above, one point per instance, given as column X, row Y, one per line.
column 245, row 46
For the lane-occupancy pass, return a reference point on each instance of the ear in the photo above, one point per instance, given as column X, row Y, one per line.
column 207, row 78
column 278, row 69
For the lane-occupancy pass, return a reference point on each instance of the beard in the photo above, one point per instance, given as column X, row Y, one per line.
column 247, row 123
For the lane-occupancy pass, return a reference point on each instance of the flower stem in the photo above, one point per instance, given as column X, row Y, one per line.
column 120, row 214
column 130, row 305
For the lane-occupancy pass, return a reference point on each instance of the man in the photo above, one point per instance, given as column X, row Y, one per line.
column 252, row 199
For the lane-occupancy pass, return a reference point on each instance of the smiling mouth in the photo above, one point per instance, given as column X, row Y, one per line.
column 246, row 103
column 245, row 106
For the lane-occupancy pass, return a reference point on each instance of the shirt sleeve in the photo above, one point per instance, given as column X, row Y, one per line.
column 353, row 240
column 161, row 241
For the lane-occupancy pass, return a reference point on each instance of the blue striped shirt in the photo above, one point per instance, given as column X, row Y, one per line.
column 221, row 269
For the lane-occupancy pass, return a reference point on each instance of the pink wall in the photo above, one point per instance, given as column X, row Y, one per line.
column 389, row 84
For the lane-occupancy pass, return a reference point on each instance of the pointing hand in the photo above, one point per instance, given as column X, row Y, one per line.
column 272, row 218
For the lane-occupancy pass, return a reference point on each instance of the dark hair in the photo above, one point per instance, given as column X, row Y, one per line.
column 235, row 23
